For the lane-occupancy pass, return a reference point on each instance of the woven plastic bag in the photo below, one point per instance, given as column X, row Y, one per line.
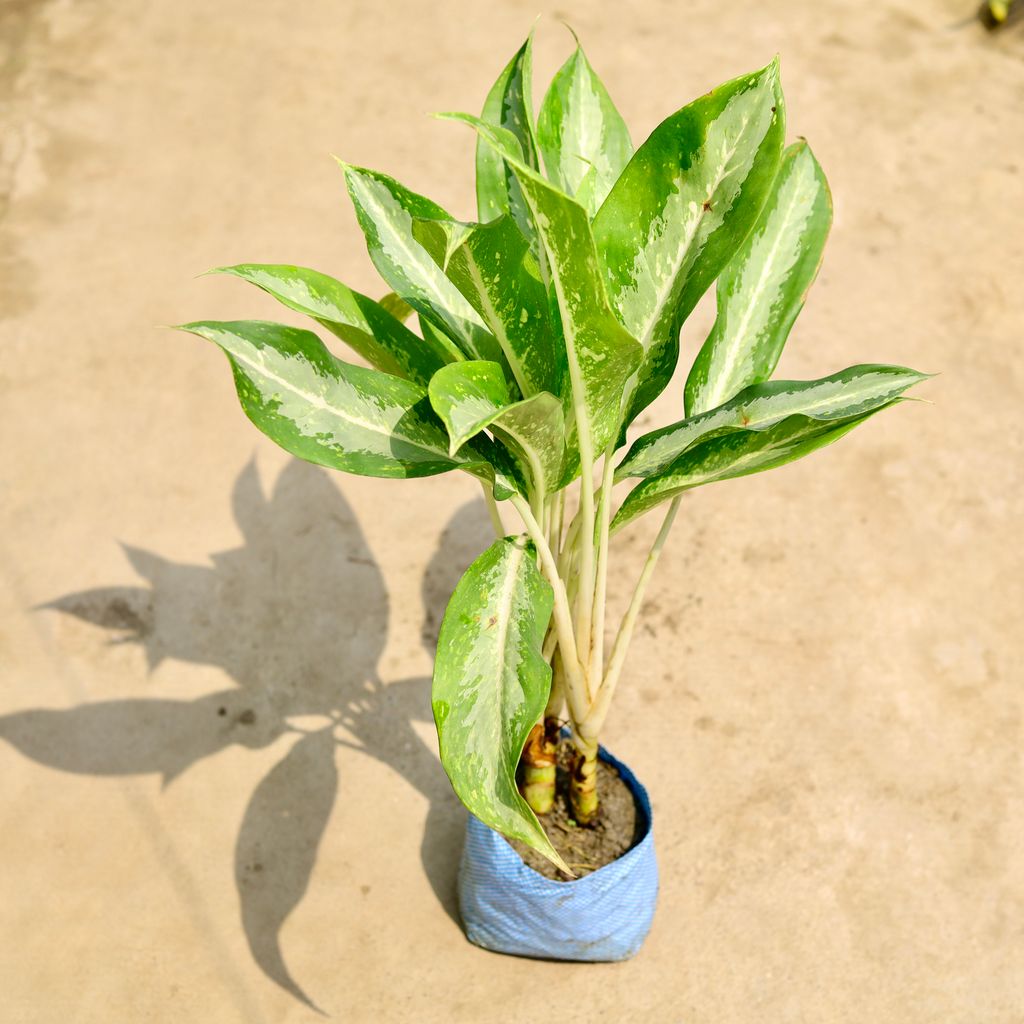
column 510, row 908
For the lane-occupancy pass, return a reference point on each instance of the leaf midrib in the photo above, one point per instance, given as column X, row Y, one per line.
column 663, row 293
column 341, row 413
column 732, row 351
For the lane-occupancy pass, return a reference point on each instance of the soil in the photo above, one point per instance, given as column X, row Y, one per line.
column 618, row 827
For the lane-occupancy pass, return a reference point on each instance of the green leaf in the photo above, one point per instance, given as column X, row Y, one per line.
column 386, row 212
column 762, row 290
column 680, row 210
column 335, row 414
column 367, row 326
column 494, row 269
column 737, row 453
column 582, row 137
column 472, row 396
column 850, row 392
column 396, row 306
column 440, row 237
column 491, row 684
column 600, row 355
column 508, row 105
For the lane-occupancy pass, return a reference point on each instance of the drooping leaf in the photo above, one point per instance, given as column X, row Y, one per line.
column 736, row 453
column 582, row 137
column 386, row 212
column 680, row 210
column 491, row 684
column 509, row 105
column 850, row 392
column 762, row 290
column 494, row 269
column 472, row 396
column 367, row 326
column 335, row 414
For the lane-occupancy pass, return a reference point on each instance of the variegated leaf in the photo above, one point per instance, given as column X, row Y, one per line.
column 850, row 392
column 494, row 269
column 473, row 396
column 335, row 414
column 762, row 290
column 386, row 212
column 680, row 210
column 367, row 326
column 736, row 453
column 491, row 684
column 600, row 356
column 509, row 105
column 582, row 137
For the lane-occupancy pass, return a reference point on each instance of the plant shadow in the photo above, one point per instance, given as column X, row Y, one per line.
column 297, row 617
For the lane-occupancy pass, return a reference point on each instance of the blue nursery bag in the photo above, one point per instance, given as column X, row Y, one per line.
column 508, row 907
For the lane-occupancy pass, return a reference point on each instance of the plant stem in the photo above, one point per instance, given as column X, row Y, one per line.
column 591, row 726
column 576, row 685
column 605, row 508
column 585, row 599
column 492, row 508
column 583, row 794
column 537, row 769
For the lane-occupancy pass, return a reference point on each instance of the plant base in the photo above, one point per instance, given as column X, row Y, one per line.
column 508, row 907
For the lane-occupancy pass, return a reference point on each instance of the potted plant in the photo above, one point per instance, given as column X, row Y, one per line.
column 544, row 329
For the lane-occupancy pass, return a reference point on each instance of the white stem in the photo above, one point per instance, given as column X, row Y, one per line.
column 577, row 684
column 591, row 726
column 600, row 594
column 585, row 601
column 492, row 508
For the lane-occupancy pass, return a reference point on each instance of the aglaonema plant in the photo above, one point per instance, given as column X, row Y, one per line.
column 541, row 331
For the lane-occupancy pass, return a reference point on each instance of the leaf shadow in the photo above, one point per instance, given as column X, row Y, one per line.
column 297, row 617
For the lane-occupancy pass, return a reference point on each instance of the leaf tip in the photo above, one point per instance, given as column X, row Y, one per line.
column 218, row 270
column 576, row 38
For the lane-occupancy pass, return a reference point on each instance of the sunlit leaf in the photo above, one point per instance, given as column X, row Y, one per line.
column 491, row 684
column 680, row 210
column 582, row 137
column 736, row 453
column 333, row 413
column 762, row 290
column 472, row 396
column 850, row 392
column 367, row 326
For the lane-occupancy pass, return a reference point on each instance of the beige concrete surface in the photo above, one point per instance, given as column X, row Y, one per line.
column 220, row 793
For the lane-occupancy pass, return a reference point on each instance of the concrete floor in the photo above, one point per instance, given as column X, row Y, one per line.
column 825, row 700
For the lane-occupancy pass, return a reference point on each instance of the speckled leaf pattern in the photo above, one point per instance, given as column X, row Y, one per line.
column 762, row 290
column 386, row 212
column 582, row 137
column 366, row 326
column 333, row 413
column 508, row 105
column 495, row 270
column 440, row 237
column 600, row 355
column 491, row 684
column 850, row 392
column 680, row 210
column 736, row 453
column 472, row 396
